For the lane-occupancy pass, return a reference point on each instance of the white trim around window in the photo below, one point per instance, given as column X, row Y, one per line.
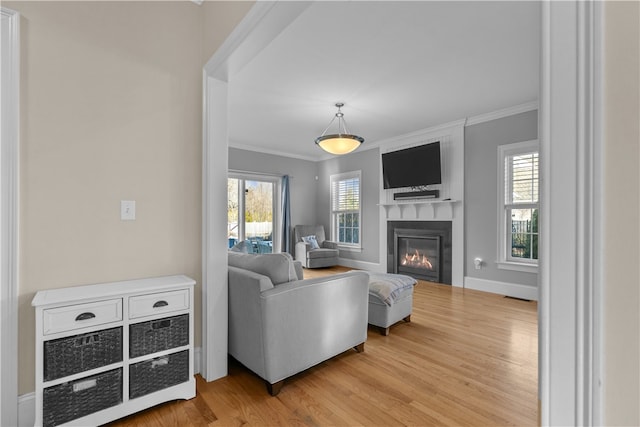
column 350, row 209
column 505, row 260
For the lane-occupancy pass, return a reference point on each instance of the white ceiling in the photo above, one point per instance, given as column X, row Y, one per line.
column 399, row 67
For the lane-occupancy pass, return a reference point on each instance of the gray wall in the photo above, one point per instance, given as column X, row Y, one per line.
column 481, row 143
column 302, row 179
column 368, row 162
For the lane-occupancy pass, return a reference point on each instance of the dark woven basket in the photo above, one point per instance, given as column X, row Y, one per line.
column 158, row 335
column 159, row 373
column 75, row 399
column 79, row 353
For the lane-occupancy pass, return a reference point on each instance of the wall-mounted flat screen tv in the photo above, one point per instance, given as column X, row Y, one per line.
column 412, row 167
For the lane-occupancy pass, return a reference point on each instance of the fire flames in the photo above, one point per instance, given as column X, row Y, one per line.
column 417, row 260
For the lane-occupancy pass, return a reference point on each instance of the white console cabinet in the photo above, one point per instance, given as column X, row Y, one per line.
column 108, row 350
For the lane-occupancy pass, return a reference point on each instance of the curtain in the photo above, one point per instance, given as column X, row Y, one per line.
column 286, row 215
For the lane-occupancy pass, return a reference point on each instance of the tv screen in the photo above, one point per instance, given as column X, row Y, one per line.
column 412, row 167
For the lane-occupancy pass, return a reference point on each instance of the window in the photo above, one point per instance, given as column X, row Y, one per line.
column 345, row 210
column 251, row 211
column 518, row 206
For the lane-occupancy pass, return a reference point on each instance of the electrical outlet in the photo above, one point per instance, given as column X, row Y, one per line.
column 127, row 210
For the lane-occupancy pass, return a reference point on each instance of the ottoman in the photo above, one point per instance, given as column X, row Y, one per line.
column 390, row 299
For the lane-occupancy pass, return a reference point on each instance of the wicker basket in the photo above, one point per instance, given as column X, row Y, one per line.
column 79, row 353
column 158, row 335
column 159, row 373
column 75, row 399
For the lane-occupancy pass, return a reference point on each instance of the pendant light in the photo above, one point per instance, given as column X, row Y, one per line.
column 342, row 142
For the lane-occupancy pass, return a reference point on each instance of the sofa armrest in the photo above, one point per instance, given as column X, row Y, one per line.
column 308, row 321
column 297, row 265
column 328, row 244
column 245, row 316
column 301, row 252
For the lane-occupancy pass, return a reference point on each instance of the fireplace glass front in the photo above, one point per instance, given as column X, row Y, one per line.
column 418, row 256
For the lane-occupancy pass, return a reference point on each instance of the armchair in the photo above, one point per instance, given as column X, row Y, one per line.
column 280, row 325
column 325, row 255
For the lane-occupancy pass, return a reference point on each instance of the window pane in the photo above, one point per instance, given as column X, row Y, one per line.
column 232, row 211
column 345, row 204
column 520, row 245
column 255, row 222
column 348, row 235
column 524, row 240
column 258, row 220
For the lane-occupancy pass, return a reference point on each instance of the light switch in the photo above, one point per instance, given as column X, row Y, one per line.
column 127, row 210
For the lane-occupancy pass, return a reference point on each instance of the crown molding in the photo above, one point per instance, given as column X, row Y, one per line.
column 412, row 136
column 505, row 112
column 263, row 150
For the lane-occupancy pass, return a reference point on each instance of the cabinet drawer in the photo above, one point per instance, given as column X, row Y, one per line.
column 78, row 353
column 159, row 373
column 158, row 335
column 71, row 400
column 72, row 317
column 163, row 302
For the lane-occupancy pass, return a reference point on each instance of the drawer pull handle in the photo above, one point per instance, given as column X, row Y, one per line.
column 87, row 340
column 161, row 303
column 85, row 316
column 84, row 385
column 160, row 362
column 160, row 324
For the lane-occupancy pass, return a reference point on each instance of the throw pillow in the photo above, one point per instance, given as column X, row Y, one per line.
column 311, row 240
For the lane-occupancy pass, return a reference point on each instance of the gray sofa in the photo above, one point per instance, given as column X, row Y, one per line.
column 280, row 325
column 326, row 255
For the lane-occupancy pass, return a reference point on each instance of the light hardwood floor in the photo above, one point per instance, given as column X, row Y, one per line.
column 466, row 358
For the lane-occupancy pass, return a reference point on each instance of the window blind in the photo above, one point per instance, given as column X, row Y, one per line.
column 522, row 187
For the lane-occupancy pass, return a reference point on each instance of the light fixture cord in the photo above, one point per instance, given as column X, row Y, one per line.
column 341, row 123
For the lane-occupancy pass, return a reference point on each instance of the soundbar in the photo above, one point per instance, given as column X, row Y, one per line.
column 426, row 194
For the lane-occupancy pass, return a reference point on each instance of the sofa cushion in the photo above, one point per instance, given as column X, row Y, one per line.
column 278, row 267
column 322, row 253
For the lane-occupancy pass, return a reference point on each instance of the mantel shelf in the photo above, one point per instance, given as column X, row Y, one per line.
column 433, row 205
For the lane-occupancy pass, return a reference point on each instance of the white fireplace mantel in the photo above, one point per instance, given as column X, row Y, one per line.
column 417, row 209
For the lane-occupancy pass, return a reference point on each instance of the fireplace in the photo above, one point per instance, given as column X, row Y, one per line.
column 421, row 249
column 417, row 254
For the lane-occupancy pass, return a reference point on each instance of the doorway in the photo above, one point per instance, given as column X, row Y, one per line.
column 570, row 393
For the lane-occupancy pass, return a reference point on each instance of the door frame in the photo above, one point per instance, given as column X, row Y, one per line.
column 261, row 24
column 570, row 117
column 9, row 217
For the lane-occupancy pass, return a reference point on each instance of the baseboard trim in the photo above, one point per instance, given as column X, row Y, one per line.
column 502, row 288
column 27, row 402
column 26, row 410
column 197, row 360
column 361, row 265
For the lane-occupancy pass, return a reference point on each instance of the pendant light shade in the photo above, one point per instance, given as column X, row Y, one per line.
column 342, row 142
